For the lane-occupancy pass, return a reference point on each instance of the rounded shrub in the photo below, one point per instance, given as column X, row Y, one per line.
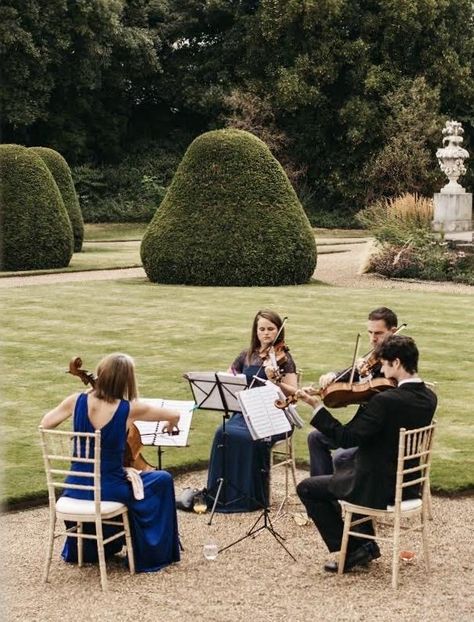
column 230, row 217
column 61, row 172
column 36, row 230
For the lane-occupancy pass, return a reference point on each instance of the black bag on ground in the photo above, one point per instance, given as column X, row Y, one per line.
column 185, row 501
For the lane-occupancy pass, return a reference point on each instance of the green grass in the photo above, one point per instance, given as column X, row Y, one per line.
column 114, row 231
column 173, row 329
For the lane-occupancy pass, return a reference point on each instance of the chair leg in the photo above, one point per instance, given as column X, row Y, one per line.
column 80, row 545
column 293, row 464
column 424, row 537
column 429, row 503
column 101, row 555
column 128, row 541
column 396, row 551
column 49, row 554
column 345, row 541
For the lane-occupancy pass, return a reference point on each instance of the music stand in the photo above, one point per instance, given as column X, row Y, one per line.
column 151, row 432
column 218, row 391
column 263, row 420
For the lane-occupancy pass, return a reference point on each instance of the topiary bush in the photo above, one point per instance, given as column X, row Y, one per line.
column 61, row 172
column 230, row 217
column 36, row 229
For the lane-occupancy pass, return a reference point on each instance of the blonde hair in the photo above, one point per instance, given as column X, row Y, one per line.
column 116, row 378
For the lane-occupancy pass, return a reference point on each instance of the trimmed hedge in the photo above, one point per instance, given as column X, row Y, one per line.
column 230, row 217
column 37, row 232
column 61, row 172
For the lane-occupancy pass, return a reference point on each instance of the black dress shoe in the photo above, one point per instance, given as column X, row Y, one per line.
column 360, row 557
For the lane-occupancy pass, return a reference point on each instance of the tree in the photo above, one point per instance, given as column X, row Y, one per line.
column 59, row 169
column 230, row 217
column 36, row 229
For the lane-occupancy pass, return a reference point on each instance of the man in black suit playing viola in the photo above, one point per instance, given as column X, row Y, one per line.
column 369, row 480
column 381, row 323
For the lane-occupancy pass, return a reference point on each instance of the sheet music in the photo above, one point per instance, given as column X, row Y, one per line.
column 206, row 392
column 151, row 432
column 262, row 416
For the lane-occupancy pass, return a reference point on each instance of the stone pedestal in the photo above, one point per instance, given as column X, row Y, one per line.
column 452, row 212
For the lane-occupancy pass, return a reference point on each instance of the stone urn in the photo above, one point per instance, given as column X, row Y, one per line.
column 452, row 205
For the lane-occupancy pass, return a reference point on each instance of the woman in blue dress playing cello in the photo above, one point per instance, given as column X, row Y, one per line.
column 247, row 462
column 112, row 406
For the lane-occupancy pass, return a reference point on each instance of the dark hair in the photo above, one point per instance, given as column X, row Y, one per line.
column 385, row 314
column 116, row 378
column 399, row 347
column 272, row 317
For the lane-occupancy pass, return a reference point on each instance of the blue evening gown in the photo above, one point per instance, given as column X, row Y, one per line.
column 247, row 462
column 153, row 520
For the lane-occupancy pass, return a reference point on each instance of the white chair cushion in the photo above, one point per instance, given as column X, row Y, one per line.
column 409, row 504
column 68, row 505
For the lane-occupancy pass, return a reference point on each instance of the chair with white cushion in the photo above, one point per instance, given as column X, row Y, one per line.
column 414, row 449
column 61, row 449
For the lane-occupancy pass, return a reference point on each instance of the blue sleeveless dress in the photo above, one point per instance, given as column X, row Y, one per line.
column 247, row 462
column 153, row 520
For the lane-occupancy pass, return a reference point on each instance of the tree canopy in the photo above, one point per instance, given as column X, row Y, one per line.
column 94, row 79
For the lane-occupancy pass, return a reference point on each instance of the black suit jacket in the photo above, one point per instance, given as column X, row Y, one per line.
column 370, row 479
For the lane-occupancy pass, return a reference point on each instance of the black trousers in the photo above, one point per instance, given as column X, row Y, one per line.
column 323, row 507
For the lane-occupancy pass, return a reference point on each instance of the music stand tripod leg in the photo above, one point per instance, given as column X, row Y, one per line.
column 216, row 499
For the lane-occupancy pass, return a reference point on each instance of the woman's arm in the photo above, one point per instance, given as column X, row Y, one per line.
column 59, row 414
column 143, row 411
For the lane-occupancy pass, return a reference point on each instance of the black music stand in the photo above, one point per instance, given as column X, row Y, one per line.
column 259, row 431
column 218, row 391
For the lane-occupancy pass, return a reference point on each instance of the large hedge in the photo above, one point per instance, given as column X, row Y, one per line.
column 230, row 217
column 61, row 172
column 36, row 230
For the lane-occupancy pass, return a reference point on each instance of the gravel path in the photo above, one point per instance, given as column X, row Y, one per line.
column 253, row 580
column 339, row 263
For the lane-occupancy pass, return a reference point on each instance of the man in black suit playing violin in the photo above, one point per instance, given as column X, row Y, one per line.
column 370, row 480
column 381, row 323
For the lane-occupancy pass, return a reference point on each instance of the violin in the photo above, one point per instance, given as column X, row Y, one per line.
column 133, row 457
column 275, row 356
column 341, row 394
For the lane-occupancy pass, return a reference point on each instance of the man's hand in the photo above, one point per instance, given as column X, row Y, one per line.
column 312, row 400
column 326, row 379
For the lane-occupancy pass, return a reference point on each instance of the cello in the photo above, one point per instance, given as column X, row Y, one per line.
column 133, row 457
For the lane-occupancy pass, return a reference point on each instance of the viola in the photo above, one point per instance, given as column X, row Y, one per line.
column 133, row 457
column 341, row 394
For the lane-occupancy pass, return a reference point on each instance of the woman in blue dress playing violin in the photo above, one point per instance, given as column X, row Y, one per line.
column 247, row 462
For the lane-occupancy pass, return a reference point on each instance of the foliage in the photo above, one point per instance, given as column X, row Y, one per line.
column 399, row 219
column 408, row 247
column 36, row 229
column 411, row 134
column 230, row 217
column 74, row 72
column 61, row 173
column 357, row 90
column 131, row 190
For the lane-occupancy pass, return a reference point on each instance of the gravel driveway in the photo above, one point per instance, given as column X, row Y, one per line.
column 255, row 580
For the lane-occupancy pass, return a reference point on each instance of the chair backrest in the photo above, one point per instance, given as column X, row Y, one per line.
column 66, row 453
column 414, row 460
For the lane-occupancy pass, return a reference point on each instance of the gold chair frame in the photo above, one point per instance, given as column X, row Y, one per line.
column 413, row 445
column 63, row 447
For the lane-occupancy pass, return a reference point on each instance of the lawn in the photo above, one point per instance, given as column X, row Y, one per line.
column 173, row 329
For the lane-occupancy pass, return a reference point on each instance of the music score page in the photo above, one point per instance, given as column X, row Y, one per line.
column 263, row 418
